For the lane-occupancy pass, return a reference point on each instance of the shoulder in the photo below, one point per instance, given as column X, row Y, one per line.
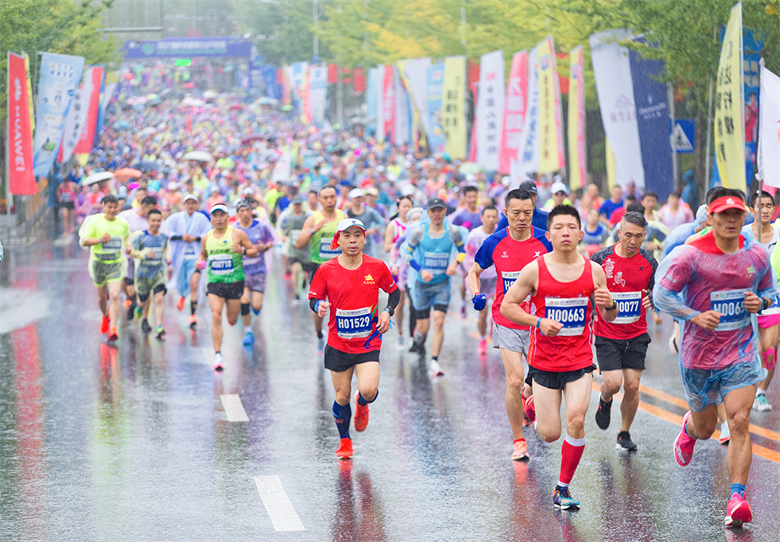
column 649, row 257
column 603, row 254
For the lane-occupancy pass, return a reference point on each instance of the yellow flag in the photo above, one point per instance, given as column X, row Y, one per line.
column 576, row 129
column 729, row 122
column 550, row 123
column 611, row 166
column 453, row 111
column 29, row 92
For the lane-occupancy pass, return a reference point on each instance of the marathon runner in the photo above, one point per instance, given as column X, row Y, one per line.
column 395, row 230
column 508, row 251
column 368, row 216
column 291, row 224
column 474, row 241
column 712, row 287
column 319, row 230
column 152, row 250
column 470, row 217
column 223, row 250
column 186, row 230
column 621, row 345
column 261, row 235
column 107, row 235
column 432, row 243
column 349, row 286
column 136, row 218
column 564, row 287
column 67, row 191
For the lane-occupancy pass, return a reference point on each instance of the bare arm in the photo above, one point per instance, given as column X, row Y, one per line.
column 241, row 240
column 601, row 296
column 473, row 279
column 305, row 235
column 389, row 234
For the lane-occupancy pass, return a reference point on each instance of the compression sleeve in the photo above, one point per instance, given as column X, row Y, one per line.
column 313, row 304
column 412, row 242
column 393, row 299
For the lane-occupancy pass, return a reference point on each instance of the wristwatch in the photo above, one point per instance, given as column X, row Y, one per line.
column 613, row 307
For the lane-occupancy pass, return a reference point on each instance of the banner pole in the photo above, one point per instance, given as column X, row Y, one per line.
column 709, row 138
column 675, row 172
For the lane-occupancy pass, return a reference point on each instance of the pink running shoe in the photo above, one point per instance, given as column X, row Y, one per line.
column 529, row 409
column 738, row 511
column 482, row 348
column 683, row 445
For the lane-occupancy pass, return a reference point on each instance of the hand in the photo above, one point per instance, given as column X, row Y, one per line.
column 200, row 264
column 647, row 300
column 394, row 270
column 320, row 224
column 426, row 275
column 106, row 238
column 187, row 238
column 170, row 271
column 452, row 267
column 238, row 248
column 168, row 262
column 550, row 328
column 480, row 302
column 322, row 309
column 603, row 298
column 384, row 322
column 753, row 303
column 128, row 249
column 149, row 254
column 707, row 320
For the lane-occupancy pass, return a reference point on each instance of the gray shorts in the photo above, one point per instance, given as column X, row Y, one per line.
column 145, row 286
column 516, row 340
column 103, row 273
column 256, row 282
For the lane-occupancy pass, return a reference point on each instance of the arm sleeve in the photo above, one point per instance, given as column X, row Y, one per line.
column 671, row 278
column 413, row 239
column 393, row 299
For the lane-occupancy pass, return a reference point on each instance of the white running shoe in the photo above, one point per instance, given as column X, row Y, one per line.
column 218, row 364
column 725, row 434
column 760, row 404
column 435, row 368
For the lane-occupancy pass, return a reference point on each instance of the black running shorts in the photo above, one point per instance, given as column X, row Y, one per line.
column 227, row 290
column 614, row 355
column 555, row 380
column 338, row 361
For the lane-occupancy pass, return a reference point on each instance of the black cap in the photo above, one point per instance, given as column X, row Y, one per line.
column 436, row 203
column 529, row 186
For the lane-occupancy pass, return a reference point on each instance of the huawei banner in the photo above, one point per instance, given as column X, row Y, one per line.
column 490, row 109
column 21, row 180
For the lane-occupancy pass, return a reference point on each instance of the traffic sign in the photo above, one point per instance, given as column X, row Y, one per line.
column 683, row 137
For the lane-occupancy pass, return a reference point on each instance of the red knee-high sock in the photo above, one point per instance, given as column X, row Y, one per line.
column 769, row 359
column 571, row 453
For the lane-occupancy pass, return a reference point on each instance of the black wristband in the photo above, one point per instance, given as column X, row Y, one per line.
column 613, row 307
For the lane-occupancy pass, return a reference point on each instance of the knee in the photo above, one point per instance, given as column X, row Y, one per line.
column 438, row 321
column 575, row 424
column 342, row 395
column 631, row 388
column 549, row 435
column 739, row 422
column 113, row 296
column 515, row 382
column 611, row 386
column 368, row 392
column 217, row 316
column 232, row 319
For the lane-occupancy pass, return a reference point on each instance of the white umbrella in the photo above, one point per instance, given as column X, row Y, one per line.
column 198, row 156
column 149, row 130
column 97, row 177
column 209, row 95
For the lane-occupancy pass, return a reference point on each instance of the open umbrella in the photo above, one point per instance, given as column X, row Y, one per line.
column 97, row 178
column 470, row 167
column 198, row 156
column 265, row 100
column 127, row 173
column 236, row 106
column 246, row 140
column 148, row 165
column 209, row 95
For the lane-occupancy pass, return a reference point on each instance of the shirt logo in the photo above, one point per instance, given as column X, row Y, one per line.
column 619, row 279
column 505, row 255
column 368, row 279
column 537, row 253
column 751, row 270
column 609, row 265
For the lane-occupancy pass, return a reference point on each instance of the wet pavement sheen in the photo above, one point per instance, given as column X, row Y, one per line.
column 132, row 443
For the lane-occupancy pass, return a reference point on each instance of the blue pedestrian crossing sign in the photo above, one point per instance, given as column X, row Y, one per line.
column 683, row 138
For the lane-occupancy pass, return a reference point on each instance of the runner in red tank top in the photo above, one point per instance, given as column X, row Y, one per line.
column 564, row 287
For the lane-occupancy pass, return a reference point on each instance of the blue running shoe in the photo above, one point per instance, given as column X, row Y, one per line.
column 249, row 338
column 562, row 499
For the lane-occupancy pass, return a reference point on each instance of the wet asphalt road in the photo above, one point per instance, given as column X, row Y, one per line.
column 133, row 442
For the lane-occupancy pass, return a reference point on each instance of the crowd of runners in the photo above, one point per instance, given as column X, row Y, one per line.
column 555, row 276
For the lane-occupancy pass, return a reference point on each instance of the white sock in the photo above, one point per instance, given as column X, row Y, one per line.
column 247, row 329
column 759, row 391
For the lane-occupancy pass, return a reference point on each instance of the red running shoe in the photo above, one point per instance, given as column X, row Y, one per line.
column 104, row 324
column 345, row 449
column 529, row 409
column 180, row 304
column 113, row 335
column 361, row 415
column 287, row 276
column 738, row 511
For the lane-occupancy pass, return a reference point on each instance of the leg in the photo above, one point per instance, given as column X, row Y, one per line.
column 194, row 281
column 548, row 412
column 768, row 343
column 159, row 306
column 368, row 379
column 257, row 301
column 399, row 314
column 102, row 292
column 613, row 380
column 630, row 403
column 296, row 271
column 423, row 325
column 217, row 304
column 232, row 310
column 144, row 307
column 246, row 319
column 438, row 332
column 738, row 404
column 342, row 413
column 482, row 322
column 513, row 400
column 577, row 395
column 702, row 424
column 113, row 295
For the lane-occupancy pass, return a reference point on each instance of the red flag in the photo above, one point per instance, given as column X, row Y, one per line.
column 360, row 80
column 279, row 76
column 473, row 73
column 333, row 74
column 20, row 161
column 84, row 145
column 514, row 111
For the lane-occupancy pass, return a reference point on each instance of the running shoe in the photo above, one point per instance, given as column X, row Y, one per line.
column 287, row 276
column 482, row 348
column 603, row 414
column 436, row 368
column 159, row 332
column 345, row 449
column 104, row 324
column 673, row 345
column 145, row 327
column 180, row 304
column 130, row 310
column 738, row 511
column 249, row 339
column 361, row 415
column 113, row 335
column 139, row 312
column 624, row 442
column 760, row 404
column 463, row 310
column 218, row 363
column 683, row 445
column 520, row 452
column 297, row 298
column 725, row 433
column 193, row 321
column 321, row 345
column 562, row 499
column 529, row 409
column 401, row 342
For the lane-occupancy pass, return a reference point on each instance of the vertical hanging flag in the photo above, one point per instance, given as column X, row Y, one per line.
column 403, row 122
column 21, row 181
column 372, row 99
column 415, row 75
column 528, row 151
column 576, row 128
column 514, row 110
column 380, row 101
column 453, row 116
column 388, row 104
column 729, row 123
column 769, row 129
column 615, row 87
column 77, row 117
column 92, row 105
column 490, row 108
column 60, row 75
column 29, row 92
column 434, row 91
column 551, row 156
column 317, row 95
column 472, row 154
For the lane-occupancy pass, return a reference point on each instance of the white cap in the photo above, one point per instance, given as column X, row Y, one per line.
column 189, row 197
column 348, row 223
column 219, row 207
column 470, row 177
column 356, row 193
column 559, row 187
column 506, row 181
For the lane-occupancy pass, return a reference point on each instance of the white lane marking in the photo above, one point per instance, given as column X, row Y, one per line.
column 21, row 307
column 279, row 507
column 233, row 408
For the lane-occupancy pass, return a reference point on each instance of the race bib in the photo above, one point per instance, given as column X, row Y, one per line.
column 509, row 278
column 221, row 264
column 158, row 254
column 568, row 311
column 66, row 197
column 731, row 304
column 326, row 253
column 354, row 324
column 436, row 262
column 189, row 252
column 629, row 307
column 115, row 243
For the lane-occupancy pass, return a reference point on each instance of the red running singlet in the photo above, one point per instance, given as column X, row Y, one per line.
column 570, row 304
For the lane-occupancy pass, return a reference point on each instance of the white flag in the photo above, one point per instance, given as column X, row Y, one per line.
column 769, row 129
